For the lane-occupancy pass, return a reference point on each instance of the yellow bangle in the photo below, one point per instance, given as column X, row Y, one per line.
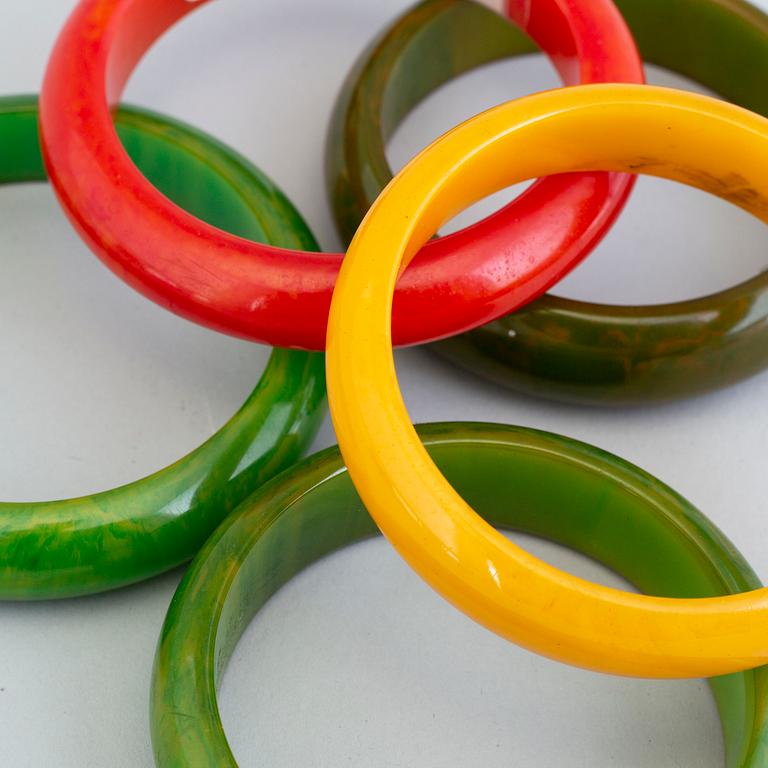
column 703, row 142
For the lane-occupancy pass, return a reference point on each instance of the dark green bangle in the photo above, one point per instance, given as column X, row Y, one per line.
column 561, row 348
column 552, row 487
column 99, row 542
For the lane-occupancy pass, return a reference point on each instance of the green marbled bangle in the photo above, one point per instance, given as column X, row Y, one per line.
column 561, row 348
column 552, row 487
column 99, row 542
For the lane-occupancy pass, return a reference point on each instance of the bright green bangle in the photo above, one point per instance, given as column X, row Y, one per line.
column 552, row 487
column 562, row 348
column 99, row 542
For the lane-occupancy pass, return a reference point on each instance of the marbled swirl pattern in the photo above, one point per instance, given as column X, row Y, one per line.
column 106, row 540
column 562, row 348
column 552, row 487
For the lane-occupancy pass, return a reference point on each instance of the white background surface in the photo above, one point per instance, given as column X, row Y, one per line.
column 355, row 662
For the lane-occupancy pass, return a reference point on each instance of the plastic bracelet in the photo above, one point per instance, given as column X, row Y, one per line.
column 552, row 487
column 90, row 544
column 282, row 297
column 701, row 141
column 561, row 348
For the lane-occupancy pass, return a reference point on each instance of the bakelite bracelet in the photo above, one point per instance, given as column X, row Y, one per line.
column 552, row 487
column 94, row 543
column 280, row 296
column 701, row 141
column 562, row 348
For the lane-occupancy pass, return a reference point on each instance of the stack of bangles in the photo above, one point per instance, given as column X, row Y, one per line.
column 195, row 227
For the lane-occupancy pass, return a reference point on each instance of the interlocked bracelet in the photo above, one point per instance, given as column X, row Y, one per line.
column 695, row 139
column 282, row 296
column 98, row 542
column 520, row 479
column 556, row 347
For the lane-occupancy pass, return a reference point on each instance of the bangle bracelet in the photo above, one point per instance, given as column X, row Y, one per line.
column 552, row 487
column 106, row 540
column 263, row 293
column 695, row 139
column 562, row 348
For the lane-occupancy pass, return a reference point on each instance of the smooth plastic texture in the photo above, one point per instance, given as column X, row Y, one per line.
column 521, row 479
column 106, row 540
column 701, row 141
column 280, row 296
column 562, row 348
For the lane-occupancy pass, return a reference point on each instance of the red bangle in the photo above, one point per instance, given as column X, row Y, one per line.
column 282, row 297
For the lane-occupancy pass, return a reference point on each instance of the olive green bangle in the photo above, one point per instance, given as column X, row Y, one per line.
column 552, row 487
column 99, row 542
column 561, row 348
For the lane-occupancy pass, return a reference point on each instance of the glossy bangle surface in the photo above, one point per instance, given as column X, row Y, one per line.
column 521, row 479
column 106, row 540
column 280, row 296
column 562, row 348
column 702, row 141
